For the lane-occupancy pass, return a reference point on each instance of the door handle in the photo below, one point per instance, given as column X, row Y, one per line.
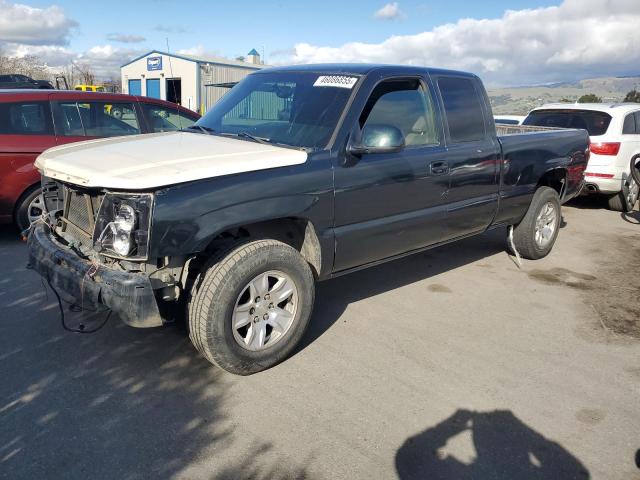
column 439, row 168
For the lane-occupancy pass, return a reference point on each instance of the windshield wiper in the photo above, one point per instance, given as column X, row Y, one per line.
column 193, row 128
column 262, row 140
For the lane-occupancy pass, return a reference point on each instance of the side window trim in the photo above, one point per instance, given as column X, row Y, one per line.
column 633, row 118
column 427, row 89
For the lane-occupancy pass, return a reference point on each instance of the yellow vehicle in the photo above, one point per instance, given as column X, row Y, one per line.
column 115, row 112
column 89, row 88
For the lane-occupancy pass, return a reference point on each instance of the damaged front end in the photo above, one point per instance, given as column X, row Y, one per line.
column 92, row 246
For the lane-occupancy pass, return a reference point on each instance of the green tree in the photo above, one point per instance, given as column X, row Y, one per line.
column 589, row 98
column 632, row 96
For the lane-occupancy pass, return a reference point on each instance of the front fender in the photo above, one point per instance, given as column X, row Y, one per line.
column 189, row 216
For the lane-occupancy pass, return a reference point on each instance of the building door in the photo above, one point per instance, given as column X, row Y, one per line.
column 153, row 87
column 135, row 87
column 174, row 90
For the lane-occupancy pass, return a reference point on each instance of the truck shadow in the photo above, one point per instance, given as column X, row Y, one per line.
column 120, row 403
column 333, row 296
column 588, row 202
column 476, row 445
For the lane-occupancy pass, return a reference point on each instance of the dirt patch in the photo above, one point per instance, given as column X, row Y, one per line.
column 484, row 265
column 564, row 276
column 590, row 416
column 436, row 287
column 614, row 292
column 616, row 299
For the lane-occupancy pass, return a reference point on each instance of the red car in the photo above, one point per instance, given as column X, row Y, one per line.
column 32, row 121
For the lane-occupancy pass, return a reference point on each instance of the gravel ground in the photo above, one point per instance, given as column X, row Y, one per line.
column 452, row 363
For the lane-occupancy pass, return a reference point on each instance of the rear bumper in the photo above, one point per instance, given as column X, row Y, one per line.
column 129, row 295
column 613, row 184
column 603, row 185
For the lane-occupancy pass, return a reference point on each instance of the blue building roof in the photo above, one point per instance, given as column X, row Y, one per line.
column 253, row 52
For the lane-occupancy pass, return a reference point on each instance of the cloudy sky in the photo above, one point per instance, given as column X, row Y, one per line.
column 517, row 42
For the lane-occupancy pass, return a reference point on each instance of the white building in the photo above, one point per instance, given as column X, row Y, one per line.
column 193, row 82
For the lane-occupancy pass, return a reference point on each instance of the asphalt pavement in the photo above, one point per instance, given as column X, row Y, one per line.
column 453, row 363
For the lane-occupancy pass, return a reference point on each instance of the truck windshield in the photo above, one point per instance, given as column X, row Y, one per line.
column 298, row 109
column 596, row 123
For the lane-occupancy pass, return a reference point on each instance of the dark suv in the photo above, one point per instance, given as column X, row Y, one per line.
column 32, row 121
column 22, row 81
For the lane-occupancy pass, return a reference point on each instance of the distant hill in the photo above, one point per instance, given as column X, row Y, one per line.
column 519, row 100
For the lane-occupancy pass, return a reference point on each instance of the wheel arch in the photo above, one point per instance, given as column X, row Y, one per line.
column 300, row 233
column 555, row 178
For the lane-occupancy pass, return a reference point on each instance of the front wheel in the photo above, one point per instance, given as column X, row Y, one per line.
column 536, row 234
column 251, row 306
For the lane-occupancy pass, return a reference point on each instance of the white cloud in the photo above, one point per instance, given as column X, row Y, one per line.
column 21, row 24
column 199, row 51
column 577, row 39
column 391, row 11
column 105, row 60
column 125, row 38
column 170, row 29
column 50, row 55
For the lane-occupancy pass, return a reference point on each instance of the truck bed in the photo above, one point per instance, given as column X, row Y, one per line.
column 503, row 129
column 529, row 152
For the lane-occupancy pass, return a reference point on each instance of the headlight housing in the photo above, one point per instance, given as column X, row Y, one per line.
column 123, row 224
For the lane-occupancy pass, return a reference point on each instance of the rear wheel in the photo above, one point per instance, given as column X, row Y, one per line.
column 251, row 306
column 626, row 199
column 635, row 169
column 536, row 234
column 29, row 208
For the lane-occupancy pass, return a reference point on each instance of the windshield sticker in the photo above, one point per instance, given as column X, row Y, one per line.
column 335, row 81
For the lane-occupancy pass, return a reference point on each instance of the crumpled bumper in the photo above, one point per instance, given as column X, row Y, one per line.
column 129, row 295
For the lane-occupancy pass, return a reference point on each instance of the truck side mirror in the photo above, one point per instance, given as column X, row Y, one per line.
column 376, row 139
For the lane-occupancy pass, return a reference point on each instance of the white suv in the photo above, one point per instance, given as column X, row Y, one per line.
column 614, row 131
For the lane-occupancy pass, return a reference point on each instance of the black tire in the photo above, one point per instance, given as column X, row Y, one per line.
column 625, row 200
column 216, row 291
column 635, row 169
column 21, row 216
column 116, row 113
column 524, row 233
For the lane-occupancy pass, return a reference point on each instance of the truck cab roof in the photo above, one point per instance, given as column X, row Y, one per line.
column 363, row 69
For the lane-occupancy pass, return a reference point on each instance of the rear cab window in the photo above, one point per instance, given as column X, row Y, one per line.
column 25, row 118
column 95, row 119
column 463, row 109
column 593, row 121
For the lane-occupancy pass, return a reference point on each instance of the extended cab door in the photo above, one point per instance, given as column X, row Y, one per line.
column 473, row 155
column 391, row 203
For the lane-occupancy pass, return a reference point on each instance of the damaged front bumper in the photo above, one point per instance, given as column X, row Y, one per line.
column 129, row 295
